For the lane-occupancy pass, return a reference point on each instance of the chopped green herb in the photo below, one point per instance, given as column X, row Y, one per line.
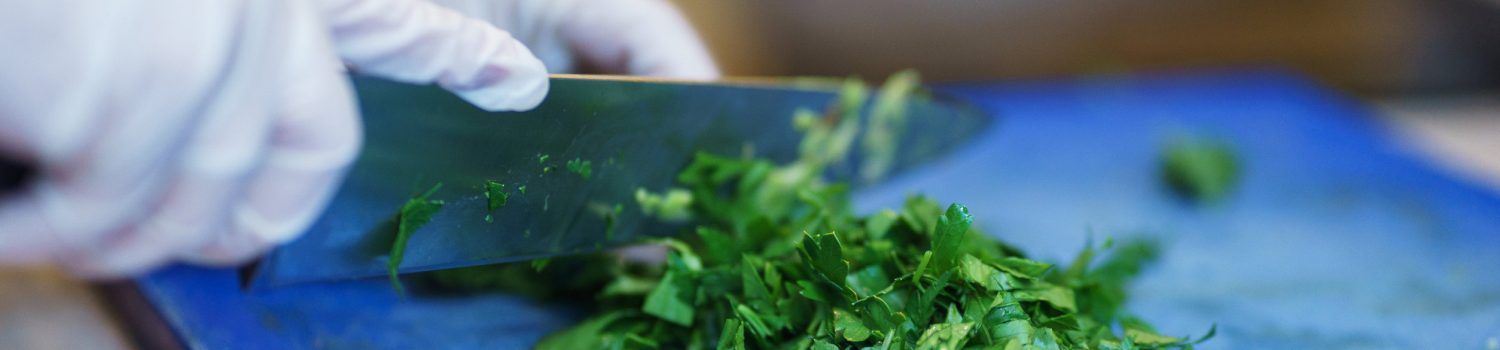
column 542, row 158
column 673, row 206
column 495, row 192
column 948, row 236
column 1200, row 169
column 666, row 301
column 522, row 189
column 583, row 168
column 416, row 212
column 584, row 335
column 610, row 220
column 775, row 257
column 887, row 124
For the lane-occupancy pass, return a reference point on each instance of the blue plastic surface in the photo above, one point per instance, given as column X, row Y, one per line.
column 1336, row 238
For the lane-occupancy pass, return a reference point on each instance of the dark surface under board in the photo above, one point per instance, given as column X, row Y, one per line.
column 1337, row 238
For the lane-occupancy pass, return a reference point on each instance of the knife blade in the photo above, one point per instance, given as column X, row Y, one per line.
column 635, row 133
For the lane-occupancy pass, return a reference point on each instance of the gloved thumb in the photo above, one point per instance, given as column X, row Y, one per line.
column 419, row 42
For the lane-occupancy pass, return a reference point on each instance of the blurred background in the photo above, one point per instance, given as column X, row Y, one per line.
column 1370, row 47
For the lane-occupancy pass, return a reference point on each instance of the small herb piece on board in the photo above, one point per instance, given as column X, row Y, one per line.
column 583, row 168
column 414, row 214
column 1200, row 169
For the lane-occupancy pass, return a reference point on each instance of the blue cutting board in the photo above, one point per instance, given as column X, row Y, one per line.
column 1338, row 237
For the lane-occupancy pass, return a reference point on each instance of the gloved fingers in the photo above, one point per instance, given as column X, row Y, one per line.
column 104, row 155
column 87, row 197
column 315, row 138
column 640, row 37
column 200, row 136
column 212, row 170
column 197, row 207
column 313, row 148
column 106, row 152
column 73, row 206
column 310, row 151
column 417, row 41
column 172, row 229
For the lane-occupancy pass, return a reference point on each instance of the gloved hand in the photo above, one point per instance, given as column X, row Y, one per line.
column 639, row 37
column 208, row 131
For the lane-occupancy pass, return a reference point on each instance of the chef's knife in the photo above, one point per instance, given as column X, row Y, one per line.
column 634, row 133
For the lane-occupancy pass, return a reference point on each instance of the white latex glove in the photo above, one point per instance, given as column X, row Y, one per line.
column 208, row 131
column 639, row 37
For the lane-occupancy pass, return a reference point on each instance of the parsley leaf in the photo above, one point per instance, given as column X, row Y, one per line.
column 417, row 212
column 949, row 235
column 583, row 168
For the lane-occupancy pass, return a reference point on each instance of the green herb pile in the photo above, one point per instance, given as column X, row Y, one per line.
column 776, row 259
